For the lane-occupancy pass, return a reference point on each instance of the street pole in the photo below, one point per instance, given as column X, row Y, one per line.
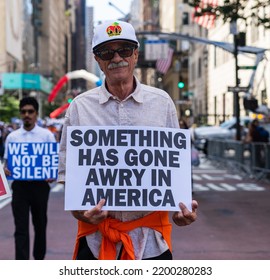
column 180, row 105
column 236, row 93
column 234, row 30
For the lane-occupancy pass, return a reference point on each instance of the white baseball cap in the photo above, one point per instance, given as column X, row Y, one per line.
column 113, row 31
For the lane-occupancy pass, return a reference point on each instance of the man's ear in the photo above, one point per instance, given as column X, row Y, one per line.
column 98, row 61
column 136, row 54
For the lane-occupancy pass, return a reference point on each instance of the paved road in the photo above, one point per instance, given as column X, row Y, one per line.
column 233, row 221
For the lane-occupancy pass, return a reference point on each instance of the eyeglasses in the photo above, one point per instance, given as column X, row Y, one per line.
column 30, row 111
column 108, row 54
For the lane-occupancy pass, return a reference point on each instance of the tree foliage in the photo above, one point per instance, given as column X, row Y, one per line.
column 257, row 11
column 9, row 107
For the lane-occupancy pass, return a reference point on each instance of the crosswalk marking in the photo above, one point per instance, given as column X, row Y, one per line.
column 212, row 178
column 223, row 187
column 228, row 187
column 250, row 187
column 214, row 187
column 231, row 176
column 199, row 187
column 213, row 181
column 196, row 177
column 58, row 188
column 209, row 171
column 5, row 202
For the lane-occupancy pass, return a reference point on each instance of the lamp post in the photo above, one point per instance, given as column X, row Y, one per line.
column 236, row 93
column 234, row 31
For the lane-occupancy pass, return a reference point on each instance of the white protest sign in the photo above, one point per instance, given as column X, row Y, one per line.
column 4, row 187
column 133, row 168
column 33, row 161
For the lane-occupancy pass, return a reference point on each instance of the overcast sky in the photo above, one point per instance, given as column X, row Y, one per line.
column 104, row 11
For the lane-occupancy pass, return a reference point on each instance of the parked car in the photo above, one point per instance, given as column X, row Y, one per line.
column 227, row 130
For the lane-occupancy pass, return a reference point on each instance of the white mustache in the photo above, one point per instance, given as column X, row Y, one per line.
column 114, row 65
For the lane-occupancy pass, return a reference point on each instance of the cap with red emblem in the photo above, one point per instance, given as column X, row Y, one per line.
column 112, row 31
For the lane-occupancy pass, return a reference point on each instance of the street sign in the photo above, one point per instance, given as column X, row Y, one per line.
column 238, row 89
column 186, row 102
column 27, row 81
column 187, row 93
column 249, row 67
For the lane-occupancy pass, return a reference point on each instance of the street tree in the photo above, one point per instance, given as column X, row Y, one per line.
column 8, row 108
column 255, row 11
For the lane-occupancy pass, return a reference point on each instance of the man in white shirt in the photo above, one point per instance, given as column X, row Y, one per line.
column 29, row 195
column 121, row 101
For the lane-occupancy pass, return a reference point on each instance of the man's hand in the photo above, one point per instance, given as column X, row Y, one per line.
column 50, row 180
column 93, row 216
column 185, row 217
column 7, row 171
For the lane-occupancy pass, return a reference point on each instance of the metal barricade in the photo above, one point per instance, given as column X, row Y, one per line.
column 250, row 158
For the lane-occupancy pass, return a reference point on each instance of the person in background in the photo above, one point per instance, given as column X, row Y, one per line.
column 195, row 158
column 122, row 101
column 29, row 196
column 258, row 135
column 183, row 124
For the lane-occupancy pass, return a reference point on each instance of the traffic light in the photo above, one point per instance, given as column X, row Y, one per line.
column 250, row 104
column 69, row 100
column 181, row 84
column 37, row 17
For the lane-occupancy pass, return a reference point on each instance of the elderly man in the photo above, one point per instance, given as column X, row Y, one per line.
column 122, row 101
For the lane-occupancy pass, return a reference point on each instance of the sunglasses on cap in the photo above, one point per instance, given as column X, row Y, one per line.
column 108, row 54
column 30, row 111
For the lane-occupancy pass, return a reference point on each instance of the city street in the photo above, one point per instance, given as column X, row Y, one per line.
column 233, row 221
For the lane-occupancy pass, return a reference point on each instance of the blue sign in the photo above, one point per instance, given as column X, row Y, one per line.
column 26, row 81
column 33, row 161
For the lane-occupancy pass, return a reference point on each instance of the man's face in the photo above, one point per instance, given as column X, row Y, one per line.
column 120, row 66
column 29, row 116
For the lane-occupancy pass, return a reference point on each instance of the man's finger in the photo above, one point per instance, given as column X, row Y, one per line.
column 96, row 209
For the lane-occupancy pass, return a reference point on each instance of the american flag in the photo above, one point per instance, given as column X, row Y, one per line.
column 163, row 64
column 207, row 20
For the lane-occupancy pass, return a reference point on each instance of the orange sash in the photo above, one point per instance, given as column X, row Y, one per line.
column 113, row 231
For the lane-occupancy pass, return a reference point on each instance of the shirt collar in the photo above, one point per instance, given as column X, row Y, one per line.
column 29, row 131
column 105, row 95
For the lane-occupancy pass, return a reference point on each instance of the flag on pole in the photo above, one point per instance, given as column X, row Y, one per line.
column 207, row 20
column 163, row 64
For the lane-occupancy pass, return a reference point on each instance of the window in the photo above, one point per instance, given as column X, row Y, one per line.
column 199, row 68
column 185, row 18
column 264, row 97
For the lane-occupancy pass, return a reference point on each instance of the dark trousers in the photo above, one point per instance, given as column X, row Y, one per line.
column 30, row 196
column 84, row 253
